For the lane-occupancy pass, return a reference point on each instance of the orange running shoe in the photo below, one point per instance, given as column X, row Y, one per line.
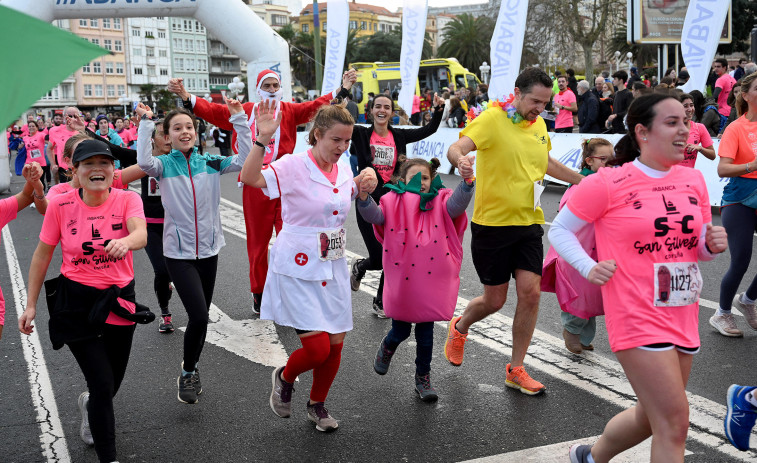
column 454, row 347
column 517, row 378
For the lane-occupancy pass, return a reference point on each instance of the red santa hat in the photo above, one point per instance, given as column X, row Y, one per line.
column 264, row 74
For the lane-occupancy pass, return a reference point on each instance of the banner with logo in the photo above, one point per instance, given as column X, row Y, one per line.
column 413, row 33
column 336, row 44
column 506, row 47
column 700, row 36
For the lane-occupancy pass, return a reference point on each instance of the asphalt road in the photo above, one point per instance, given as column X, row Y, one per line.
column 380, row 418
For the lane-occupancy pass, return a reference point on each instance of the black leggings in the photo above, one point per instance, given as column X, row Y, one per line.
column 740, row 223
column 162, row 280
column 103, row 361
column 45, row 176
column 373, row 262
column 194, row 281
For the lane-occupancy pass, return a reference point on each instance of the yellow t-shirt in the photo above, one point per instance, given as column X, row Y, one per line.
column 510, row 158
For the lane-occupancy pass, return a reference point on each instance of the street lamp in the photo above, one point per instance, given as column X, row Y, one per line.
column 629, row 56
column 124, row 100
column 236, row 86
column 485, row 68
column 617, row 61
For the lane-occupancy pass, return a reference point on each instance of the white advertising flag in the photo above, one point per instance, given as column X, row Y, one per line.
column 413, row 32
column 699, row 39
column 507, row 47
column 336, row 44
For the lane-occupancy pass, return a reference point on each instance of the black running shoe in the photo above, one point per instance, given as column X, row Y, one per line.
column 357, row 275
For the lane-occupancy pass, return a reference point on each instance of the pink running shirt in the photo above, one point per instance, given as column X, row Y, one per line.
column 642, row 222
column 725, row 83
column 84, row 231
column 58, row 137
column 35, row 149
column 697, row 134
column 383, row 154
column 8, row 212
column 565, row 117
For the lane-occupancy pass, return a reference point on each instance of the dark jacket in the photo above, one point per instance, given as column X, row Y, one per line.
column 621, row 103
column 588, row 113
column 127, row 157
column 78, row 312
column 361, row 145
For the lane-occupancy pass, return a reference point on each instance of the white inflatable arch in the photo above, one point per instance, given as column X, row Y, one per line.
column 229, row 20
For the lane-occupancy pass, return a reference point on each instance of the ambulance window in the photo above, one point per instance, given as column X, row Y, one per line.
column 460, row 81
column 472, row 84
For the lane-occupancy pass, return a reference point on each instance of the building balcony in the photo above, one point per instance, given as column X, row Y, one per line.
column 151, row 61
column 232, row 71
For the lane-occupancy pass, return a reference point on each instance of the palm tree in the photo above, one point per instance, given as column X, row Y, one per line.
column 467, row 39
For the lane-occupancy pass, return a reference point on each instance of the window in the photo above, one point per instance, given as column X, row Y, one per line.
column 86, row 68
column 187, row 25
column 98, row 90
column 205, row 83
column 163, row 71
column 108, row 44
column 108, row 67
column 353, row 24
column 82, row 23
column 363, row 25
column 150, row 51
column 87, row 89
column 281, row 20
column 149, row 34
column 136, row 33
column 202, row 64
column 119, row 46
column 201, row 46
column 161, row 35
column 151, row 71
column 96, row 67
column 306, row 27
column 189, row 45
column 137, row 52
column 324, row 26
column 92, row 23
column 117, row 23
column 191, row 83
column 198, row 27
column 163, row 53
column 178, row 63
column 174, row 25
column 96, row 41
column 138, row 71
column 160, row 18
column 106, row 23
column 178, row 44
column 119, row 68
column 122, row 89
column 111, row 90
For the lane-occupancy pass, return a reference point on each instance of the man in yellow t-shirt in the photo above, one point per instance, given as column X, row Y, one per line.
column 513, row 156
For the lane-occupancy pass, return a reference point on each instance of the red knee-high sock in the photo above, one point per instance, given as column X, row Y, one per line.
column 324, row 374
column 314, row 351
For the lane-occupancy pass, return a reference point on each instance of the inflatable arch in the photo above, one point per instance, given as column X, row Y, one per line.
column 229, row 20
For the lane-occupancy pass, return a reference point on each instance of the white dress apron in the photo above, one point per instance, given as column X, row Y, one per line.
column 304, row 288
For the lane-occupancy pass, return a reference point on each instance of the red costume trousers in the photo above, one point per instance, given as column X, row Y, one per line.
column 261, row 215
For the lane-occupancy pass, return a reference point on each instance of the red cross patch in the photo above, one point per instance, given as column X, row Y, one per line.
column 301, row 259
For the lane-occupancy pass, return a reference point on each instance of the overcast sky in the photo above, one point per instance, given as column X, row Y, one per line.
column 393, row 5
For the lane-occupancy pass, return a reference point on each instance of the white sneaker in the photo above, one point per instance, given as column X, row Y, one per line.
column 749, row 311
column 84, row 432
column 726, row 325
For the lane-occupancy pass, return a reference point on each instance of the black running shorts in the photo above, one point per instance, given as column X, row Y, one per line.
column 498, row 251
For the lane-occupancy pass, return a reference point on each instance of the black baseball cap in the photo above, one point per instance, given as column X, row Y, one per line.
column 89, row 148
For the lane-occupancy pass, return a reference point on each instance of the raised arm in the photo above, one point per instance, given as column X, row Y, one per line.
column 266, row 126
column 244, row 137
column 414, row 135
column 216, row 114
column 151, row 165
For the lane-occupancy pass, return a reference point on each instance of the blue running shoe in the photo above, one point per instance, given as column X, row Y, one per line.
column 741, row 416
column 579, row 453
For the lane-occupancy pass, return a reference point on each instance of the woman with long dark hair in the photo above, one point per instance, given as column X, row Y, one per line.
column 382, row 148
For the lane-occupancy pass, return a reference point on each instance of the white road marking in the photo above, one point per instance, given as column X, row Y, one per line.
column 255, row 340
column 52, row 438
column 593, row 373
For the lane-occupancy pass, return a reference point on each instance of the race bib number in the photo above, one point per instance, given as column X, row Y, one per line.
column 383, row 155
column 331, row 244
column 676, row 284
column 36, row 154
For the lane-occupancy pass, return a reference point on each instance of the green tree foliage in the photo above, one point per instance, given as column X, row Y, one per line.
column 744, row 19
column 467, row 39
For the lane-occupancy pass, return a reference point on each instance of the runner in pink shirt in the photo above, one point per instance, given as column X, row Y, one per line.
column 57, row 140
column 699, row 140
column 92, row 303
column 652, row 223
column 565, row 103
column 723, row 86
column 9, row 207
column 35, row 150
